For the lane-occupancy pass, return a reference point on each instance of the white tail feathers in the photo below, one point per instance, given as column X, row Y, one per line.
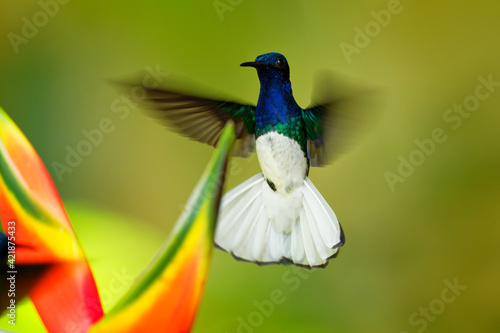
column 254, row 225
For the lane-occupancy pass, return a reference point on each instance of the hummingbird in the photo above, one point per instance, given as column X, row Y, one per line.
column 277, row 216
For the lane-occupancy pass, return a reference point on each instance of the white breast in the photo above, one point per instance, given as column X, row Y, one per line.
column 281, row 160
column 284, row 164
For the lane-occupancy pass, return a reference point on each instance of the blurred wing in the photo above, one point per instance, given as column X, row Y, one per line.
column 203, row 119
column 314, row 120
column 333, row 124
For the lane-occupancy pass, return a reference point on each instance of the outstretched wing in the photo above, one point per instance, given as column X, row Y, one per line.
column 203, row 119
column 314, row 120
column 337, row 121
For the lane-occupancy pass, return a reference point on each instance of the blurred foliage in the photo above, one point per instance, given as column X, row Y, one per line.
column 440, row 223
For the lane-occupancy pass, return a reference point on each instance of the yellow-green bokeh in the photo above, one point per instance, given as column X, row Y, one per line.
column 441, row 223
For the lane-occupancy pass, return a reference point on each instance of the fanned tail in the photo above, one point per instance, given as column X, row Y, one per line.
column 245, row 230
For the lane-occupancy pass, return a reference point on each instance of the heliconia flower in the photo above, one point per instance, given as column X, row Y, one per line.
column 166, row 296
column 61, row 285
column 64, row 291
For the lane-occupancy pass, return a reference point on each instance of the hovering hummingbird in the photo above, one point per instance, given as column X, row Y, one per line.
column 278, row 215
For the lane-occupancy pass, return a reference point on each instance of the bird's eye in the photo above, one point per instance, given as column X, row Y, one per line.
column 279, row 63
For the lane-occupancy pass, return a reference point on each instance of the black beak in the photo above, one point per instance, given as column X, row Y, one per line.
column 251, row 64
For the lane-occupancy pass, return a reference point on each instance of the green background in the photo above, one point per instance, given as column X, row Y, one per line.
column 440, row 224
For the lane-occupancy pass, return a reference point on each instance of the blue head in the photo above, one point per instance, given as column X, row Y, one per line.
column 276, row 103
column 272, row 69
